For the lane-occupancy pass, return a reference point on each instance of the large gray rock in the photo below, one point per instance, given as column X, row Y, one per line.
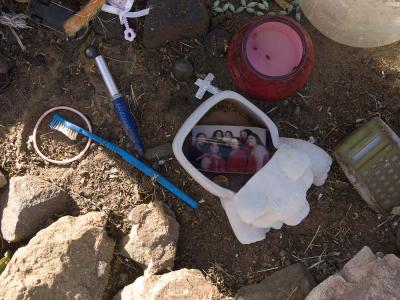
column 293, row 282
column 171, row 20
column 181, row 284
column 3, row 180
column 70, row 259
column 365, row 276
column 31, row 202
column 153, row 238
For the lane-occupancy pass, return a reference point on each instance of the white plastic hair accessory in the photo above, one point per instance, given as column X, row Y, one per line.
column 274, row 195
column 122, row 9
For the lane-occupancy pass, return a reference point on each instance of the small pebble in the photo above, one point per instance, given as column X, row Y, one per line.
column 83, row 173
column 183, row 69
column 159, row 152
column 217, row 42
column 396, row 210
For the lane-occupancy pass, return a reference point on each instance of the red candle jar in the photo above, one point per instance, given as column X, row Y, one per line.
column 271, row 58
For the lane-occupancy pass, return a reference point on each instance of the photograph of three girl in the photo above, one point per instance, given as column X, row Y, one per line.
column 228, row 149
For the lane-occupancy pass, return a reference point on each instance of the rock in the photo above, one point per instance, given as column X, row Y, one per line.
column 70, row 259
column 217, row 42
column 159, row 152
column 153, row 238
column 398, row 239
column 396, row 211
column 365, row 276
column 355, row 268
column 182, row 69
column 171, row 20
column 293, row 282
column 182, row 284
column 3, row 180
column 30, row 204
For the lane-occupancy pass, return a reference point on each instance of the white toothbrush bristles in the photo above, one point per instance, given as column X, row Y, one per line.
column 71, row 134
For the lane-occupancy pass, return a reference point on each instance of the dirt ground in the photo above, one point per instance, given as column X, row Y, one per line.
column 348, row 87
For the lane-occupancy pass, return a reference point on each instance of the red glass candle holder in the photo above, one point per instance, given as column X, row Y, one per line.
column 271, row 58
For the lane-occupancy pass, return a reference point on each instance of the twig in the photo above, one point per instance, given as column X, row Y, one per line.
column 348, row 209
column 186, row 45
column 316, row 264
column 222, row 270
column 332, row 130
column 102, row 26
column 384, row 222
column 118, row 60
column 266, row 270
column 134, row 99
column 109, row 20
column 291, row 293
column 310, row 257
column 290, row 124
column 304, row 97
column 309, row 245
column 17, row 38
column 320, row 257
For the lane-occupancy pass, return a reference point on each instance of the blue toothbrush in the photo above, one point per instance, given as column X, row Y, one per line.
column 119, row 103
column 71, row 131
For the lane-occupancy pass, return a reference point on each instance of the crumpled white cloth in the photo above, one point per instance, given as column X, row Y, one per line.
column 122, row 9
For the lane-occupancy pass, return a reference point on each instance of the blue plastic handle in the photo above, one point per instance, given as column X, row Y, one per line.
column 130, row 159
column 128, row 123
column 157, row 177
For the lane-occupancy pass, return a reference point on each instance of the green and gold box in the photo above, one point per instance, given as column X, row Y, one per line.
column 370, row 158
